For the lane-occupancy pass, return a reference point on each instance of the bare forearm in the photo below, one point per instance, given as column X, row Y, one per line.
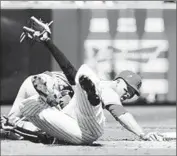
column 125, row 118
column 128, row 121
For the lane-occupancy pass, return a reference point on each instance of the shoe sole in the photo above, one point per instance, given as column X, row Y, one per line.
column 90, row 89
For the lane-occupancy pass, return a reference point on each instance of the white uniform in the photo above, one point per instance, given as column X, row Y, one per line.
column 26, row 91
column 79, row 122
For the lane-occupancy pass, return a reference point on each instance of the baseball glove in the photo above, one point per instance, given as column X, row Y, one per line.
column 36, row 30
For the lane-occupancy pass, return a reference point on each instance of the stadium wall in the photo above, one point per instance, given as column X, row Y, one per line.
column 74, row 35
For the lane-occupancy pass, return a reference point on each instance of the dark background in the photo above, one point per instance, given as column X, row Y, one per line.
column 69, row 31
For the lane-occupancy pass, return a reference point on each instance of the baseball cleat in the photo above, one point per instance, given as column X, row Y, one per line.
column 46, row 91
column 10, row 135
column 90, row 89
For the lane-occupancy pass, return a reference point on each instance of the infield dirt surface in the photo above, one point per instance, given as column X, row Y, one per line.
column 115, row 141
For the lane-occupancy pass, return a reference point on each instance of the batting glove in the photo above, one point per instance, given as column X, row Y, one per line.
column 36, row 30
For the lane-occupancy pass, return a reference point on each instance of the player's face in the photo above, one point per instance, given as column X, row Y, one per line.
column 128, row 94
column 124, row 90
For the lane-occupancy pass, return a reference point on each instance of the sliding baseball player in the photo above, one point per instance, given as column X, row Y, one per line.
column 82, row 120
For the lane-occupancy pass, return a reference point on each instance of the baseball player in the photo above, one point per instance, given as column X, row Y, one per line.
column 16, row 119
column 82, row 120
column 61, row 82
column 27, row 90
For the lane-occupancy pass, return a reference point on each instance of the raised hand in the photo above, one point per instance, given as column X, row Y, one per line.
column 36, row 30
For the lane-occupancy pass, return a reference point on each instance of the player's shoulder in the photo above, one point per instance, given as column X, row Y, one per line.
column 109, row 96
column 108, row 91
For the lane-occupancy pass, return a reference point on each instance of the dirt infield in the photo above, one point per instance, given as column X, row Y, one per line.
column 115, row 141
column 99, row 148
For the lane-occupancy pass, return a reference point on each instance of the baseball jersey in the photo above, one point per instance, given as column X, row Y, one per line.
column 79, row 122
column 109, row 96
column 106, row 93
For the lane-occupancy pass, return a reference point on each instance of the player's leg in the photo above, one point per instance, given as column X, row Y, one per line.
column 26, row 90
column 87, row 101
column 54, row 122
column 15, row 116
column 83, row 126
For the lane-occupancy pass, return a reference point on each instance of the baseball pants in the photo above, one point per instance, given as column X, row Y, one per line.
column 78, row 123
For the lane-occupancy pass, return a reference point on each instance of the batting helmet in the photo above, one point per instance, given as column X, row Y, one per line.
column 132, row 79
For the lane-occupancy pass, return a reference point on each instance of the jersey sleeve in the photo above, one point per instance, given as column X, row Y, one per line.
column 66, row 66
column 109, row 96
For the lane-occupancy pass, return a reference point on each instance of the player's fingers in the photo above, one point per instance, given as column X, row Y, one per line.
column 29, row 36
column 160, row 134
column 22, row 37
column 34, row 19
column 50, row 23
column 152, row 138
column 159, row 137
column 26, row 33
column 28, row 30
column 40, row 23
column 22, row 34
column 156, row 137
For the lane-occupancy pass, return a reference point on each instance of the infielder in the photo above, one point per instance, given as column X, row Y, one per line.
column 27, row 90
column 82, row 120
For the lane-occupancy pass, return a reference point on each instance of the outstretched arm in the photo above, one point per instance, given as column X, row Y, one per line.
column 128, row 122
column 125, row 119
column 66, row 66
column 40, row 31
